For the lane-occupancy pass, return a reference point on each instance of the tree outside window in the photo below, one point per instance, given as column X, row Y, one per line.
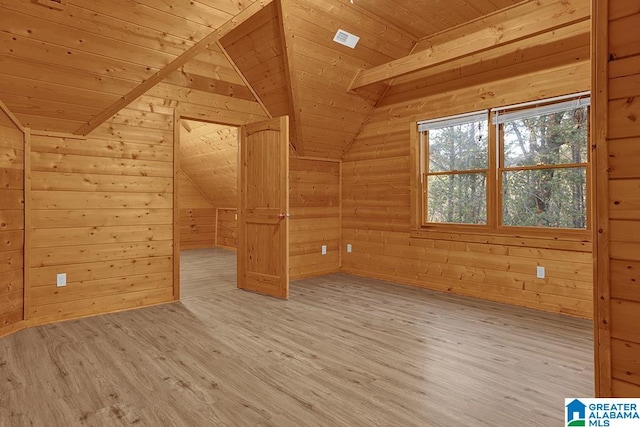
column 534, row 162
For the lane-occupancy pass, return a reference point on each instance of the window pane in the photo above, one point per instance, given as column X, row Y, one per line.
column 545, row 198
column 459, row 147
column 552, row 139
column 457, row 198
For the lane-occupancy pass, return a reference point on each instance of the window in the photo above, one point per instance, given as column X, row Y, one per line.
column 456, row 153
column 543, row 165
column 528, row 170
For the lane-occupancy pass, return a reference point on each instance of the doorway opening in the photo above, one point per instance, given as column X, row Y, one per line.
column 208, row 206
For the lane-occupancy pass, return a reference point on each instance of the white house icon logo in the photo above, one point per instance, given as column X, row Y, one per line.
column 576, row 414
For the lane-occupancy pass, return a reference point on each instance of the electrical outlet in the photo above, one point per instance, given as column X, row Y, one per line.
column 324, row 249
column 349, row 248
column 540, row 273
column 61, row 279
column 236, row 217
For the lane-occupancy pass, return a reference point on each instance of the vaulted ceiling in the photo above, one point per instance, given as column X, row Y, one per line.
column 65, row 70
column 209, row 158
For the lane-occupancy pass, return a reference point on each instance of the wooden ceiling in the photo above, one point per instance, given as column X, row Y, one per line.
column 63, row 70
column 209, row 158
column 424, row 18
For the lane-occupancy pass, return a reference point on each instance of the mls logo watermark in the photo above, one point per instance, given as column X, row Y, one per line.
column 602, row 412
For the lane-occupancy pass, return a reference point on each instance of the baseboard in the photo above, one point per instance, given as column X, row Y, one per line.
column 12, row 329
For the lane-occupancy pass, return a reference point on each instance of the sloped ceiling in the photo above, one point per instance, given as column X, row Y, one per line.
column 209, row 158
column 424, row 18
column 256, row 49
column 287, row 54
column 61, row 69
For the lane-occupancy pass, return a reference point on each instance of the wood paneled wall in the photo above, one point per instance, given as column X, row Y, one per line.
column 314, row 203
column 376, row 179
column 227, row 228
column 617, row 130
column 12, row 152
column 197, row 216
column 102, row 212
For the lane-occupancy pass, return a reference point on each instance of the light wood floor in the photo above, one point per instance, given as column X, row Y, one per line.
column 342, row 351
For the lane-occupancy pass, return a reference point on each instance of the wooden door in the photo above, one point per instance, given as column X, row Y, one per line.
column 263, row 224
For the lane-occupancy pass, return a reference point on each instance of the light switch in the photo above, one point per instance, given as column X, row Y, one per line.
column 349, row 248
column 324, row 249
column 540, row 273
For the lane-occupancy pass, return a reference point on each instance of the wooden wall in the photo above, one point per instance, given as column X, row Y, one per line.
column 617, row 129
column 102, row 212
column 12, row 149
column 227, row 228
column 314, row 204
column 197, row 216
column 376, row 180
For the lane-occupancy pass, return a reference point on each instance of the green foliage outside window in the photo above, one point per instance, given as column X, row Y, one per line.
column 549, row 196
column 457, row 196
column 542, row 170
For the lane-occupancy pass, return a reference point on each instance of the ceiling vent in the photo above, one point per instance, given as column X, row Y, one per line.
column 346, row 39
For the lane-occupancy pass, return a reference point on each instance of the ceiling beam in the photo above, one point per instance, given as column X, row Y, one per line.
column 12, row 117
column 550, row 15
column 178, row 62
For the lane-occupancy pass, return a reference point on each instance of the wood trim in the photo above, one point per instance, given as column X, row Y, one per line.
column 178, row 62
column 340, row 239
column 12, row 329
column 27, row 224
column 294, row 99
column 506, row 239
column 31, row 323
column 241, row 242
column 12, row 117
column 494, row 178
column 458, row 172
column 599, row 125
column 215, row 238
column 319, row 159
column 553, row 15
column 546, row 167
column 37, row 132
column 176, row 205
column 285, row 123
column 415, row 189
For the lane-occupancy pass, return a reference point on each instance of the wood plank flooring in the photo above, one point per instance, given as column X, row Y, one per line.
column 342, row 351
